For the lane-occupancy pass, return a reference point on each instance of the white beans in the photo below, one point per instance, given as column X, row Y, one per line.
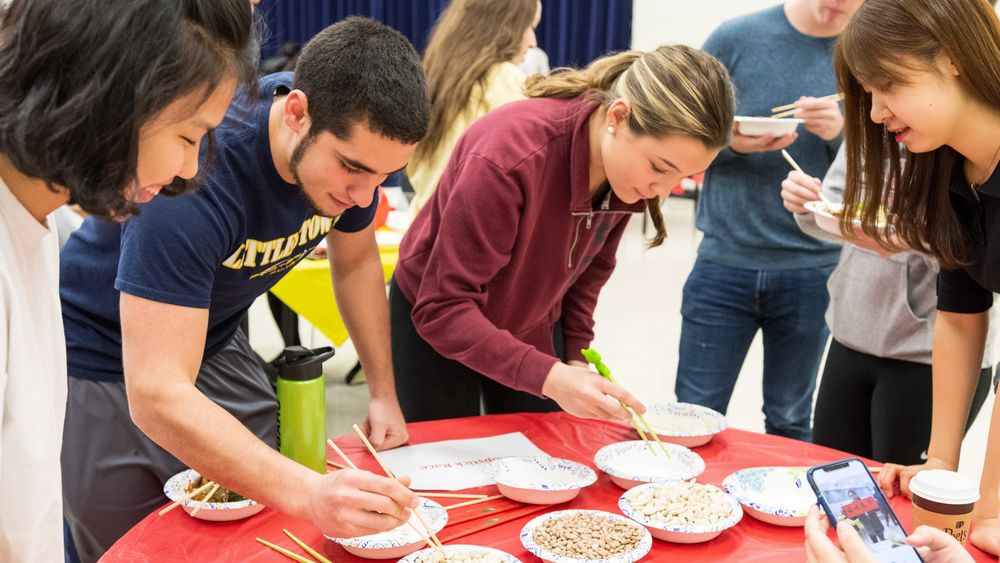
column 681, row 502
column 587, row 536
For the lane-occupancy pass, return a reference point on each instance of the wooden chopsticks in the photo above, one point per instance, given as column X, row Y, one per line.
column 294, row 556
column 796, row 166
column 789, row 109
column 188, row 496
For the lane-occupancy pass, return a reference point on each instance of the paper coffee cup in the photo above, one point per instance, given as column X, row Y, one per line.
column 944, row 500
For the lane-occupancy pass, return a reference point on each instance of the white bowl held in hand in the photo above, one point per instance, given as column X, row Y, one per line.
column 760, row 126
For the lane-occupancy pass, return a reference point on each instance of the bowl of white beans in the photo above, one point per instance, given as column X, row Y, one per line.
column 681, row 512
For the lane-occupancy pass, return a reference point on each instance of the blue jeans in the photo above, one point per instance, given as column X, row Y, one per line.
column 723, row 308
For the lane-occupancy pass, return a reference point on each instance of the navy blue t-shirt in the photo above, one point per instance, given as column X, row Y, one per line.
column 218, row 248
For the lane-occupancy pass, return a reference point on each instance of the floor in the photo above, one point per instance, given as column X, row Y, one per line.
column 637, row 331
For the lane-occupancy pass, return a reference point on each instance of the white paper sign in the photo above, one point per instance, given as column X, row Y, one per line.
column 454, row 465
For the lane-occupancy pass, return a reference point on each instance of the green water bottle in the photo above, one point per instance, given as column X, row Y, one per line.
column 302, row 405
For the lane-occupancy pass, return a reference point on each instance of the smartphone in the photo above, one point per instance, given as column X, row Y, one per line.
column 846, row 490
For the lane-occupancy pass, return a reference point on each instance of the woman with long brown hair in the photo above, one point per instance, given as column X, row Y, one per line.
column 498, row 277
column 471, row 68
column 926, row 74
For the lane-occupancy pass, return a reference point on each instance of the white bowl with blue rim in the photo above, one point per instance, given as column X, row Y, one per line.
column 180, row 485
column 776, row 495
column 401, row 540
column 684, row 424
column 675, row 529
column 458, row 552
column 541, row 480
column 635, row 463
column 634, row 554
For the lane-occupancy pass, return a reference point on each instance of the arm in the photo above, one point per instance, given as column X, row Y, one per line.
column 162, row 348
column 359, row 286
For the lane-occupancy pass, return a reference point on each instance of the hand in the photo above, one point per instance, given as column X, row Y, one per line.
column 385, row 425
column 895, row 479
column 798, row 189
column 986, row 535
column 822, row 117
column 583, row 393
column 861, row 240
column 745, row 144
column 821, row 549
column 935, row 546
column 351, row 502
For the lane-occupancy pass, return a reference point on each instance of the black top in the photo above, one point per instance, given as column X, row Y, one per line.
column 970, row 289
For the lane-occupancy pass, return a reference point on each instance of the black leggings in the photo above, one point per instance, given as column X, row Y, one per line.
column 879, row 408
column 432, row 387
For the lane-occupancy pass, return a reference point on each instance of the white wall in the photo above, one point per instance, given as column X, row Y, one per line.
column 655, row 22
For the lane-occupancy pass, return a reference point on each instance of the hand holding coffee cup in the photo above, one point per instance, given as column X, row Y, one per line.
column 944, row 500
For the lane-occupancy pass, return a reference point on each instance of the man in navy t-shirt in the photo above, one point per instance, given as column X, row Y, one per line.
column 152, row 307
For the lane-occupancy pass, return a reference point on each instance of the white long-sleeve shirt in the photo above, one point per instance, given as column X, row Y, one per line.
column 32, row 387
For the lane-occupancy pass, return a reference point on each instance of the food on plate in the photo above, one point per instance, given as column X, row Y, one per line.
column 587, row 536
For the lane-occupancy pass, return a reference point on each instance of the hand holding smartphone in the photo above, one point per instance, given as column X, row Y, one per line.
column 846, row 491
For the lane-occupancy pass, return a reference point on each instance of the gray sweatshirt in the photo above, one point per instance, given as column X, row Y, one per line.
column 884, row 307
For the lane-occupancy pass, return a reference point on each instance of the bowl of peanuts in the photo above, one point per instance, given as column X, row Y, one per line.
column 541, row 480
column 460, row 554
column 635, row 463
column 585, row 536
column 401, row 540
column 684, row 424
column 681, row 511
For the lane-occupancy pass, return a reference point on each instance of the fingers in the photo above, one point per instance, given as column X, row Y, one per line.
column 819, row 548
column 905, row 476
column 375, row 432
column 390, row 488
column 852, row 544
column 798, row 189
column 887, row 479
column 930, row 538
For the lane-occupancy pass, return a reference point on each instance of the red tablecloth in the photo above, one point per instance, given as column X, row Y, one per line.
column 178, row 537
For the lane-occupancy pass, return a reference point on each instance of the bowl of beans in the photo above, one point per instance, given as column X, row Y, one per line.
column 541, row 480
column 460, row 554
column 682, row 511
column 635, row 463
column 585, row 536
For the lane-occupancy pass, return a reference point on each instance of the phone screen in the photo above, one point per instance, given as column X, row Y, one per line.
column 847, row 492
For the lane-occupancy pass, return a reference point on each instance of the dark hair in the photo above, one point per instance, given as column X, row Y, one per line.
column 884, row 40
column 359, row 70
column 78, row 80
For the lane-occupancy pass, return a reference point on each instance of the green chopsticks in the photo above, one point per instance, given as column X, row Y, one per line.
column 595, row 358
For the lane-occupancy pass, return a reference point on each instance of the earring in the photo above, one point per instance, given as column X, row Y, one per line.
column 611, row 130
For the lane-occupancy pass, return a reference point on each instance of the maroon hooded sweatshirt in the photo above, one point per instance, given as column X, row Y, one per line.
column 511, row 242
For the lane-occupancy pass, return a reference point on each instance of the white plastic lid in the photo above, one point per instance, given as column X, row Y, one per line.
column 948, row 487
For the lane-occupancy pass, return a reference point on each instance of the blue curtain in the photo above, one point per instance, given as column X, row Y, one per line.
column 572, row 32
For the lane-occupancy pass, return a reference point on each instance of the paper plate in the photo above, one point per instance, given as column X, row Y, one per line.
column 490, row 555
column 399, row 541
column 637, row 553
column 541, row 480
column 632, row 463
column 678, row 532
column 776, row 495
column 684, row 423
column 176, row 487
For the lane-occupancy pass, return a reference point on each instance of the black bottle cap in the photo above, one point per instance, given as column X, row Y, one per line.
column 298, row 363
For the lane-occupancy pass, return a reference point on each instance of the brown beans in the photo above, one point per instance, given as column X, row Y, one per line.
column 587, row 536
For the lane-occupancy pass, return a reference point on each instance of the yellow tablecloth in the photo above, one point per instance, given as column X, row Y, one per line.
column 307, row 289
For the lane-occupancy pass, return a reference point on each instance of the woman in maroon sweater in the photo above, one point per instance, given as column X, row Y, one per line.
column 498, row 276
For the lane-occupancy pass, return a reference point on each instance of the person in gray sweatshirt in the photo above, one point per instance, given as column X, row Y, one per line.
column 875, row 394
